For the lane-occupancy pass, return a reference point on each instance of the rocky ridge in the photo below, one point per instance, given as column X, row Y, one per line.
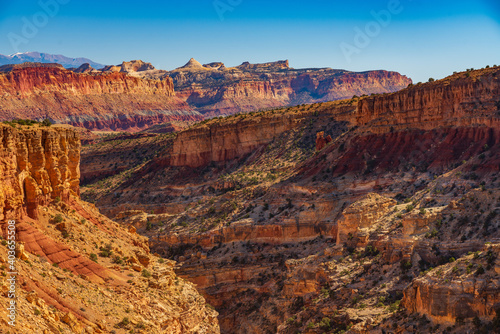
column 134, row 96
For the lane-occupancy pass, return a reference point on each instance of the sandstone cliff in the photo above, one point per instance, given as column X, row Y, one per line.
column 79, row 272
column 134, row 95
column 463, row 99
column 105, row 101
column 214, row 89
column 40, row 165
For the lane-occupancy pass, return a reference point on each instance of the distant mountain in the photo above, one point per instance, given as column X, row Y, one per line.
column 37, row 57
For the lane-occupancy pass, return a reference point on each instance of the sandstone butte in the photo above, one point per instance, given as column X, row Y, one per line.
column 214, row 89
column 370, row 215
column 78, row 271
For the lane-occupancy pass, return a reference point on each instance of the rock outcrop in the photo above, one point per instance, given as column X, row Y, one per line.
column 358, row 219
column 322, row 141
column 77, row 271
column 204, row 144
column 463, row 99
column 456, row 292
column 214, row 89
column 105, row 101
column 40, row 165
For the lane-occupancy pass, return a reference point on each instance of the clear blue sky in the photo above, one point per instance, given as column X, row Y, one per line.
column 424, row 38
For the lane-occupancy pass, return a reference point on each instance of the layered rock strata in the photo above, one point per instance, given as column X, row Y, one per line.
column 97, row 101
column 76, row 270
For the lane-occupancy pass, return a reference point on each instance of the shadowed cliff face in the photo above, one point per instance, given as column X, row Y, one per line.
column 110, row 101
column 78, row 271
column 390, row 224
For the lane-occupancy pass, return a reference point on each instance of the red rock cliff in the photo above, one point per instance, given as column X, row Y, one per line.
column 461, row 100
column 235, row 137
column 242, row 89
column 95, row 101
column 39, row 165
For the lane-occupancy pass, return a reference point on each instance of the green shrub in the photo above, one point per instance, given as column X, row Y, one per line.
column 117, row 260
column 106, row 251
column 124, row 323
column 58, row 218
column 479, row 270
column 394, row 306
column 405, row 265
column 46, row 122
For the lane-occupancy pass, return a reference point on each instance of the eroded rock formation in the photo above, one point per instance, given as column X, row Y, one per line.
column 393, row 226
column 214, row 89
column 99, row 101
column 78, row 271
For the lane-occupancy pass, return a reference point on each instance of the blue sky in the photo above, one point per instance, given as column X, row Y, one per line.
column 421, row 38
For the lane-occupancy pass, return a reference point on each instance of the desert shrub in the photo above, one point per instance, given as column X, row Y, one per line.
column 124, row 323
column 58, row 218
column 106, row 251
column 405, row 265
column 46, row 122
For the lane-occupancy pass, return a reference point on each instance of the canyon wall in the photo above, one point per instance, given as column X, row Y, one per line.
column 40, row 165
column 461, row 102
column 134, row 95
column 240, row 135
column 204, row 144
column 464, row 99
column 216, row 90
column 70, row 258
column 98, row 101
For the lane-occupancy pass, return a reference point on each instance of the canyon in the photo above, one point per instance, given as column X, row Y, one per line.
column 374, row 214
column 76, row 270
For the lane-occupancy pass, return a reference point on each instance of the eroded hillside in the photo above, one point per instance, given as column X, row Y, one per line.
column 363, row 215
column 78, row 271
